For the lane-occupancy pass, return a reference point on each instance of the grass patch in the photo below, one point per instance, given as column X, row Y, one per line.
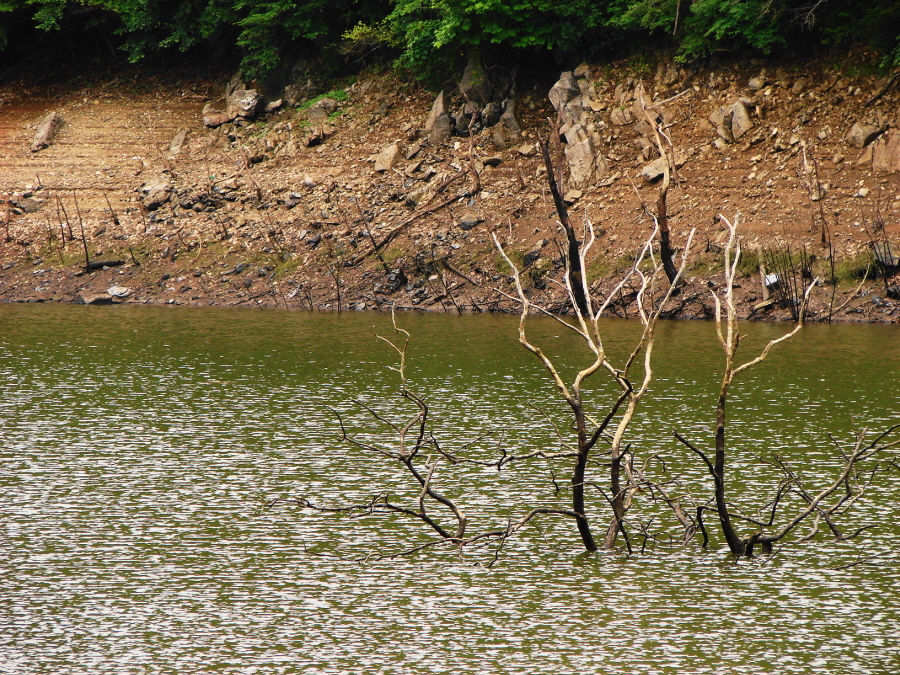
column 517, row 257
column 288, row 267
column 391, row 255
column 749, row 263
column 339, row 95
column 852, row 270
column 602, row 267
column 706, row 264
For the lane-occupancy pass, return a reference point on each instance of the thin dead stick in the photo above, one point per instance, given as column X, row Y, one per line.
column 87, row 256
column 112, row 211
column 65, row 213
column 852, row 295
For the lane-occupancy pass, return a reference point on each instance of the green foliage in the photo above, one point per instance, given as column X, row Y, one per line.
column 428, row 34
column 338, row 95
column 428, row 29
column 713, row 23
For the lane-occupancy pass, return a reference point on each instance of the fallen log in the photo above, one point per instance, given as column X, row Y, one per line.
column 100, row 264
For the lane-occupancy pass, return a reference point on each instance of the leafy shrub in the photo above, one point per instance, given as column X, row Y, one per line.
column 426, row 32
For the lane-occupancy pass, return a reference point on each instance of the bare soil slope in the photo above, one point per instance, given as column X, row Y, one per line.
column 263, row 212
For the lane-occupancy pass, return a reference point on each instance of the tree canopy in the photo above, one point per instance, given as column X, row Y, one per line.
column 422, row 33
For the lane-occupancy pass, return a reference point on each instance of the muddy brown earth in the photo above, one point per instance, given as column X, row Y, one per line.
column 282, row 211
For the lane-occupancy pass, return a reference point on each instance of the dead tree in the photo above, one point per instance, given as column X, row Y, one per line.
column 848, row 487
column 416, row 449
column 613, row 426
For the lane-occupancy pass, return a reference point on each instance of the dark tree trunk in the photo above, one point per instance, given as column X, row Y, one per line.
column 584, row 528
column 665, row 246
column 576, row 272
column 735, row 544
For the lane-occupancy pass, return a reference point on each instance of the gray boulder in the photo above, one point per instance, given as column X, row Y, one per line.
column 93, row 299
column 757, row 83
column 565, row 89
column 177, row 143
column 620, row 117
column 243, row 103
column 156, row 193
column 740, row 119
column 860, row 135
column 722, row 119
column 580, row 155
column 508, row 130
column 656, row 169
column 317, row 115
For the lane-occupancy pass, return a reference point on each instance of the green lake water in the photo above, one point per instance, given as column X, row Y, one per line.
column 141, row 445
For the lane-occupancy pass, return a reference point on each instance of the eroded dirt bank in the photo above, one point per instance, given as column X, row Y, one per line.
column 282, row 210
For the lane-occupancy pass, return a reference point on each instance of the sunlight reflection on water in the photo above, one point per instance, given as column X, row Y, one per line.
column 139, row 448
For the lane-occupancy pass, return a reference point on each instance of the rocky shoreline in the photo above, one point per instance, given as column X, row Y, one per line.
column 374, row 193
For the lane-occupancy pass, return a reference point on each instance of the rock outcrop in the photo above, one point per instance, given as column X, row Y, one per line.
column 575, row 101
column 886, row 153
column 439, row 126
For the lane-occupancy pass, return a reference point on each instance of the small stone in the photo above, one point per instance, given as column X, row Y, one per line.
column 527, row 150
column 468, row 221
column 93, row 299
column 118, row 291
column 412, row 151
column 215, row 118
column 387, row 158
column 757, row 83
column 572, row 196
column 413, row 167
